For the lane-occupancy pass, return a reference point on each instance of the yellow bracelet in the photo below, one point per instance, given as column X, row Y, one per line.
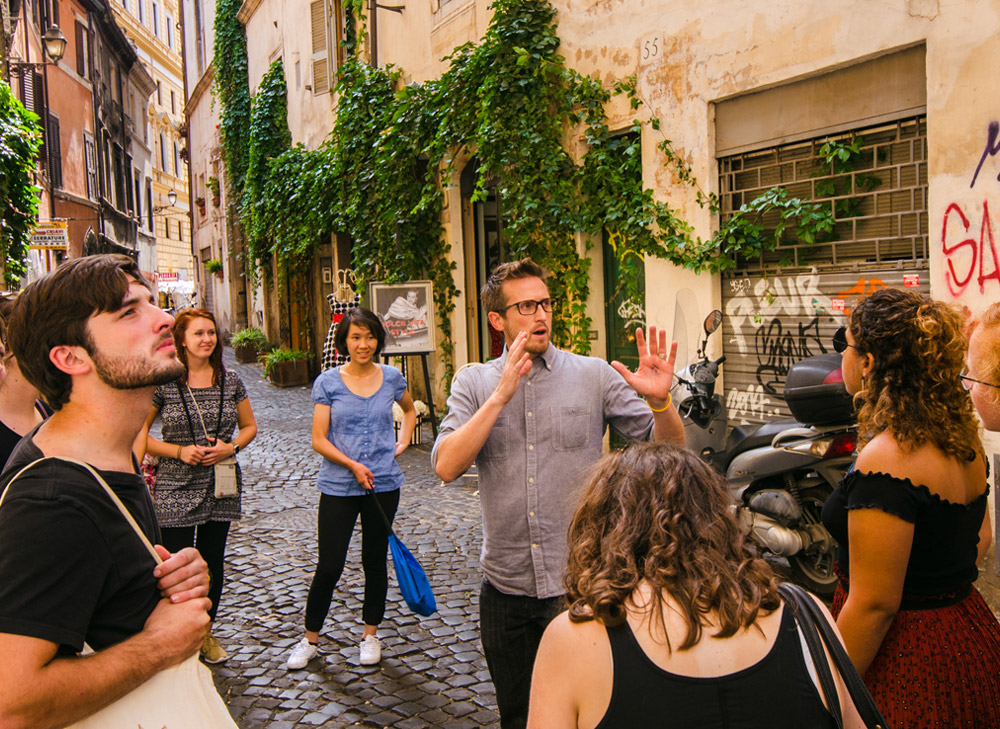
column 664, row 408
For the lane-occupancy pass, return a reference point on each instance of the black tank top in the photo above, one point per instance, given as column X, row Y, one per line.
column 9, row 439
column 774, row 692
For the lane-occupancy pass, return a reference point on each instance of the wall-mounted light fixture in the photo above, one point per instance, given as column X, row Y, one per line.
column 171, row 201
column 54, row 43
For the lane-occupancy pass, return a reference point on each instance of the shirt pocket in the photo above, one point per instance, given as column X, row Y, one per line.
column 498, row 443
column 349, row 421
column 572, row 425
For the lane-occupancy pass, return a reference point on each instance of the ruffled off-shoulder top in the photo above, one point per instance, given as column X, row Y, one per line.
column 945, row 533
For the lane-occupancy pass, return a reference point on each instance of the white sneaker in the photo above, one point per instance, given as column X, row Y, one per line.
column 371, row 651
column 302, row 653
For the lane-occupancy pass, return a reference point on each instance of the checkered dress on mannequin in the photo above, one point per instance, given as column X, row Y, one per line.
column 331, row 358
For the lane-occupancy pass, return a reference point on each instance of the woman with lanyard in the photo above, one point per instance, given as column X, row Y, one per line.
column 198, row 482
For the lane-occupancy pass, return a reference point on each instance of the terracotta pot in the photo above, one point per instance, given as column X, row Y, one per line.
column 290, row 374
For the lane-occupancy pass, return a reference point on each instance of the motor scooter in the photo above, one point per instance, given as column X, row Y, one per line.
column 781, row 473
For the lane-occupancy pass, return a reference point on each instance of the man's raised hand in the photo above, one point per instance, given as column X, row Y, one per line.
column 517, row 366
column 654, row 376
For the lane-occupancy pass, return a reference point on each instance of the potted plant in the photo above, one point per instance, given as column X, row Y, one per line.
column 213, row 265
column 248, row 344
column 200, row 202
column 213, row 185
column 287, row 367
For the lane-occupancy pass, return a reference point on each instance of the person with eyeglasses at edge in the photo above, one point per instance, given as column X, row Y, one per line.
column 533, row 421
column 982, row 373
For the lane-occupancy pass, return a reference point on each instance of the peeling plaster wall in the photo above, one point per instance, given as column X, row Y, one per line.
column 688, row 54
column 280, row 29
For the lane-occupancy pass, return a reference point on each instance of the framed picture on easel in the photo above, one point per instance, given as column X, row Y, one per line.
column 406, row 311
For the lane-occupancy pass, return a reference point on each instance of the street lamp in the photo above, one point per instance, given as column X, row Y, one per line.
column 171, row 200
column 54, row 43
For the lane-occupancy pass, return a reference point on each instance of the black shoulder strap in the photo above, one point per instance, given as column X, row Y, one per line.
column 222, row 396
column 187, row 412
column 807, row 629
column 862, row 698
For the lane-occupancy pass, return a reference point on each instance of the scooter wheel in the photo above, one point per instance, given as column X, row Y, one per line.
column 814, row 569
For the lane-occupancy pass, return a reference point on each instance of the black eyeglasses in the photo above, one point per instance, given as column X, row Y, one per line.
column 840, row 341
column 968, row 382
column 529, row 307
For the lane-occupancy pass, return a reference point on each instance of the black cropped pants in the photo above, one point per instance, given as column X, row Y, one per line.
column 337, row 517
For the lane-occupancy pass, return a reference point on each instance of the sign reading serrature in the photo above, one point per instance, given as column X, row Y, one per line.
column 51, row 235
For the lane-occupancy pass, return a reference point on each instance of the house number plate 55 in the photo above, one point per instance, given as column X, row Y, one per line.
column 650, row 48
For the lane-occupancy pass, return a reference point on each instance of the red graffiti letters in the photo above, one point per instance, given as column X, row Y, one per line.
column 963, row 253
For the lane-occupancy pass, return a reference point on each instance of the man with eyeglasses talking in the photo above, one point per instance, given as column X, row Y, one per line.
column 533, row 421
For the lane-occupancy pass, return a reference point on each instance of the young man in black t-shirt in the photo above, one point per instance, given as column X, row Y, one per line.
column 72, row 570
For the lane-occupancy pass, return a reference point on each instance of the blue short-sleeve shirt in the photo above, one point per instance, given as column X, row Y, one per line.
column 360, row 428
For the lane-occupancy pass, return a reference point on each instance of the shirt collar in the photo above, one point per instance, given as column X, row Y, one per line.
column 549, row 358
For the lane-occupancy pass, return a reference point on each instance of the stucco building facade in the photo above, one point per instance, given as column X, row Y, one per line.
column 153, row 27
column 749, row 93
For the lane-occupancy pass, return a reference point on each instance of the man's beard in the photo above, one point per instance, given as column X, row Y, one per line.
column 535, row 348
column 134, row 372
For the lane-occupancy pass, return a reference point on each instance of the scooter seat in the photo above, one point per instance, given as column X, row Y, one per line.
column 741, row 442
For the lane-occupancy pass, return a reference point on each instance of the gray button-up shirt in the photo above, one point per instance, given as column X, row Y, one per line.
column 538, row 457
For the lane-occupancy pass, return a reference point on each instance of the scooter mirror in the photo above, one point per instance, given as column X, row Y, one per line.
column 713, row 321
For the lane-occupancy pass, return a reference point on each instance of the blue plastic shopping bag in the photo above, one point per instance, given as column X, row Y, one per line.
column 413, row 583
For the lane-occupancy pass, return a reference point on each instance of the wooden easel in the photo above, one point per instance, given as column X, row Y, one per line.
column 427, row 385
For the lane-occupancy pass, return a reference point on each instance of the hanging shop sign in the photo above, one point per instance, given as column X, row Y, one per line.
column 50, row 236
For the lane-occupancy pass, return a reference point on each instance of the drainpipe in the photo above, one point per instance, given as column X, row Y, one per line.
column 98, row 130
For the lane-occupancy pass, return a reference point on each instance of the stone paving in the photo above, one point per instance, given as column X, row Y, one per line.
column 432, row 672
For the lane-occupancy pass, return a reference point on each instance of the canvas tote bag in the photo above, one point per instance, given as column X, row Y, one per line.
column 181, row 697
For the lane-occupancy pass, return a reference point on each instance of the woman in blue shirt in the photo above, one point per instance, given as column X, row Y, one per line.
column 353, row 430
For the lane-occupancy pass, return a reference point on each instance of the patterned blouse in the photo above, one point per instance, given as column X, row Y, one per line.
column 185, row 494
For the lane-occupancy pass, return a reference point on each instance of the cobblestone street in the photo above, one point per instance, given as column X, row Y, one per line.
column 432, row 672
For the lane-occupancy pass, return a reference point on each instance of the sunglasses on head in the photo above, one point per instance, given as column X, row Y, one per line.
column 840, row 341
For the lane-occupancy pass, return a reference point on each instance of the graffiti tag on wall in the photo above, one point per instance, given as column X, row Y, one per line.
column 778, row 349
column 771, row 298
column 752, row 402
column 861, row 289
column 965, row 256
column 970, row 255
column 991, row 150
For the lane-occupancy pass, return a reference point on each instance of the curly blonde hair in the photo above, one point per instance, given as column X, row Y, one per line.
column 914, row 390
column 658, row 513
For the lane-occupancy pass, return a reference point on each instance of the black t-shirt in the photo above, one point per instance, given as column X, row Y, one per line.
column 71, row 567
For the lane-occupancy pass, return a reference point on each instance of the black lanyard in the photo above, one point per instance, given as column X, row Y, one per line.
column 187, row 411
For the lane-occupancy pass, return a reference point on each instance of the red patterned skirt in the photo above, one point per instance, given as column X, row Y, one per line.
column 938, row 668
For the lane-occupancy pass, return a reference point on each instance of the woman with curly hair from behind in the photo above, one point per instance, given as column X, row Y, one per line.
column 911, row 519
column 673, row 620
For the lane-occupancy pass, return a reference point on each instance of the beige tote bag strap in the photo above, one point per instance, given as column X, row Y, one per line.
column 16, row 476
column 114, row 497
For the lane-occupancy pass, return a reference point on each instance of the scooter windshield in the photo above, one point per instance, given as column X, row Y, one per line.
column 686, row 331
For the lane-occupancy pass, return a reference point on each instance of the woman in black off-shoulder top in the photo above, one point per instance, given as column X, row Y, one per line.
column 911, row 520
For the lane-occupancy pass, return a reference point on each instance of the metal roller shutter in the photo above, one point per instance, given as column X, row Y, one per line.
column 777, row 315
